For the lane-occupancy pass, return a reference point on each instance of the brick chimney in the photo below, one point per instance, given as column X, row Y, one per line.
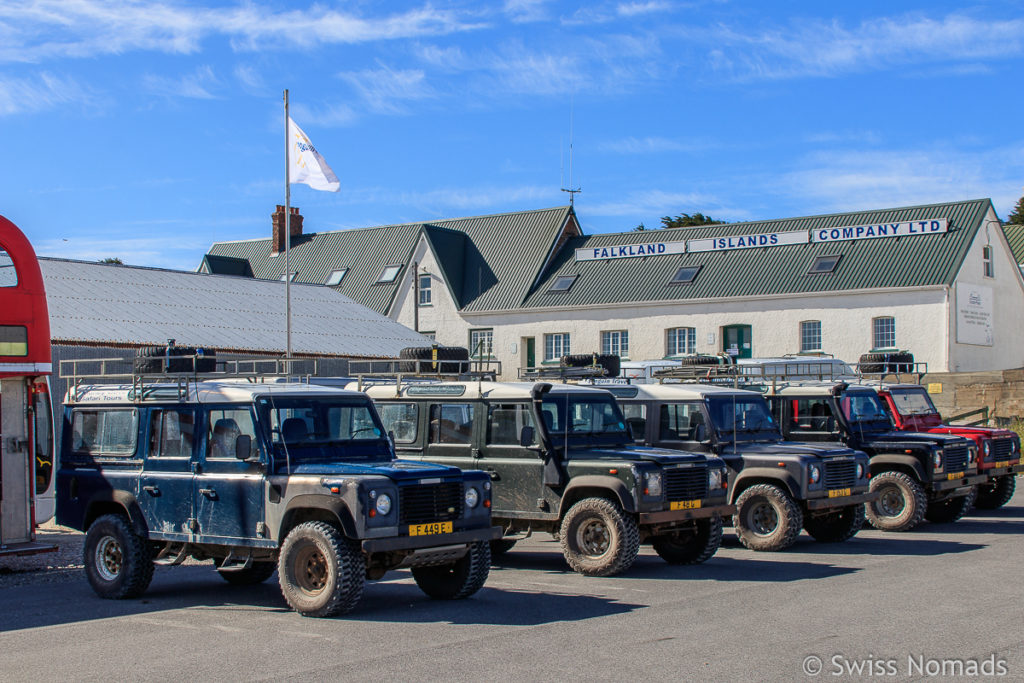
column 277, row 218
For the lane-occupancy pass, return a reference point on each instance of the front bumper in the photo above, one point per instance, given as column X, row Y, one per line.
column 671, row 516
column 949, row 484
column 842, row 501
column 382, row 545
column 994, row 472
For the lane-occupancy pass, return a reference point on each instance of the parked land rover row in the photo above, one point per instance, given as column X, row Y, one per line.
column 262, row 477
column 563, row 462
column 916, row 476
column 778, row 486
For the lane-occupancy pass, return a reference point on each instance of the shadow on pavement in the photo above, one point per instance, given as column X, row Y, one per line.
column 888, row 544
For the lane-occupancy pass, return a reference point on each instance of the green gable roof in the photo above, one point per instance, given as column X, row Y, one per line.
column 1015, row 237
column 882, row 263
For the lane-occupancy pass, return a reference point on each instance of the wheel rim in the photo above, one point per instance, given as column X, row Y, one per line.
column 593, row 537
column 891, row 501
column 311, row 572
column 762, row 518
column 109, row 558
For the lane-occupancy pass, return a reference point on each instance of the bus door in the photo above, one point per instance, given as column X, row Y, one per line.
column 15, row 463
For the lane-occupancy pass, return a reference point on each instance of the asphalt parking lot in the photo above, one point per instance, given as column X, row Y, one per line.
column 938, row 603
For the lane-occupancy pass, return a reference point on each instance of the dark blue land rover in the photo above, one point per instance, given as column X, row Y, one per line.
column 258, row 477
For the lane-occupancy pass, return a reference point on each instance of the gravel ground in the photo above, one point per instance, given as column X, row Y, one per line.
column 63, row 565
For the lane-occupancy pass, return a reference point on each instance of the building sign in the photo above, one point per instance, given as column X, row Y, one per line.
column 973, row 314
column 630, row 251
column 764, row 239
column 931, row 226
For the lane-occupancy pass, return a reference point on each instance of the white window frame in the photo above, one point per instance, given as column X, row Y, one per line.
column 672, row 345
column 475, row 336
column 987, row 264
column 425, row 295
column 556, row 345
column 810, row 330
column 336, row 276
column 389, row 273
column 615, row 343
column 877, row 332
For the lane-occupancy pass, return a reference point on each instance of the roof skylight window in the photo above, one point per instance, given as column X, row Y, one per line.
column 389, row 273
column 824, row 264
column 563, row 283
column 335, row 278
column 685, row 275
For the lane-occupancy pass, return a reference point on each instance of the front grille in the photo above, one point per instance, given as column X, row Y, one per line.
column 840, row 475
column 686, row 483
column 956, row 458
column 1001, row 448
column 422, row 503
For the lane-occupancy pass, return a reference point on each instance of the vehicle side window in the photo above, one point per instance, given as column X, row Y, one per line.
column 224, row 427
column 812, row 415
column 505, row 422
column 451, row 423
column 636, row 418
column 171, row 433
column 105, row 432
column 682, row 422
column 401, row 419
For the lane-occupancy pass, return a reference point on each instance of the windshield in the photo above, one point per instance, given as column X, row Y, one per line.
column 864, row 410
column 584, row 418
column 912, row 402
column 323, row 429
column 746, row 417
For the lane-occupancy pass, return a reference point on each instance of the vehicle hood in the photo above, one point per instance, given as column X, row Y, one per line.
column 662, row 456
column 912, row 439
column 397, row 470
column 813, row 450
column 972, row 432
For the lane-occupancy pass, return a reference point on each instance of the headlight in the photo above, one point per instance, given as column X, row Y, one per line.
column 937, row 458
column 382, row 504
column 715, row 478
column 814, row 472
column 972, row 453
column 1014, row 446
column 472, row 497
column 652, row 484
column 860, row 470
column 987, row 447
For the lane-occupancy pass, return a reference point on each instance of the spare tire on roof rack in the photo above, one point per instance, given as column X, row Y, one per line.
column 412, row 354
column 174, row 358
column 880, row 363
column 700, row 359
column 611, row 363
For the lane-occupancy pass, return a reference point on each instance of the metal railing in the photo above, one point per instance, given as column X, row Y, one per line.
column 983, row 422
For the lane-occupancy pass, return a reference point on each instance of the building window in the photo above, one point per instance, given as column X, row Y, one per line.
column 682, row 340
column 389, row 273
column 481, row 343
column 810, row 335
column 685, row 275
column 563, row 283
column 335, row 278
column 282, row 278
column 430, row 335
column 883, row 333
column 425, row 281
column 556, row 346
column 824, row 264
column 986, row 261
column 615, row 343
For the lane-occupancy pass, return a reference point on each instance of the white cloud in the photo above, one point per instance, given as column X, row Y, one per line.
column 327, row 116
column 384, row 88
column 632, row 9
column 525, row 11
column 250, row 78
column 197, row 85
column 161, row 252
column 42, row 92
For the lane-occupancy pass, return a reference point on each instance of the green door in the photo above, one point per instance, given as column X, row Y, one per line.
column 531, row 352
column 736, row 340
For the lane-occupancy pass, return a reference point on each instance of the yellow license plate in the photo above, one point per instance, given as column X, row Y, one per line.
column 684, row 505
column 838, row 493
column 428, row 529
column 955, row 475
column 1005, row 463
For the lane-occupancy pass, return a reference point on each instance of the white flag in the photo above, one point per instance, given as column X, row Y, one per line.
column 305, row 163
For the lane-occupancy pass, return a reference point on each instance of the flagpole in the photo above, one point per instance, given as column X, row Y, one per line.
column 287, row 237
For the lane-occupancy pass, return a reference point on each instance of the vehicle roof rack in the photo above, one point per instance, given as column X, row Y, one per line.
column 147, row 385
column 562, row 372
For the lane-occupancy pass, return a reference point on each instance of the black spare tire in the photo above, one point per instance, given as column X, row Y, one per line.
column 175, row 359
column 609, row 362
column 460, row 354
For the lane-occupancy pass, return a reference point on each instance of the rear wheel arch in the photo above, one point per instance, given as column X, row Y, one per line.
column 116, row 502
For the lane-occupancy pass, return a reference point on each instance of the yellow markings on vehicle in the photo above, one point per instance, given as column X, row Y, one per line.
column 428, row 529
column 838, row 493
column 1005, row 463
column 684, row 505
column 954, row 475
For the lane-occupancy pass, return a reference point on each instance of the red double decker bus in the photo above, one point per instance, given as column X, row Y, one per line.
column 26, row 416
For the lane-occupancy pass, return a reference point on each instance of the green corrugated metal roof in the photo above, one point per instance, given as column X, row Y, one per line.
column 883, row 263
column 492, row 265
column 1015, row 236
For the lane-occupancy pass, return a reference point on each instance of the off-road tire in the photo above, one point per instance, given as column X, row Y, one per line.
column 501, row 546
column 321, row 572
column 767, row 519
column 118, row 562
column 598, row 538
column 150, row 359
column 700, row 360
column 258, row 572
column 901, row 504
column 611, row 363
column 951, row 509
column 994, row 495
column 458, row 580
column 691, row 546
column 837, row 526
column 878, row 363
column 426, row 353
column 873, row 363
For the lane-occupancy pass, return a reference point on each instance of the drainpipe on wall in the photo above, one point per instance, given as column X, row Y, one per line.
column 415, row 296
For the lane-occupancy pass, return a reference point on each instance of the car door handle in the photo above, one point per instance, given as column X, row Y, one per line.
column 209, row 493
column 152, row 490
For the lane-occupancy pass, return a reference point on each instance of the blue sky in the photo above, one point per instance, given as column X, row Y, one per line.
column 149, row 130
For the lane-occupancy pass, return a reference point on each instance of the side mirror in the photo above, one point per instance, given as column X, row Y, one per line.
column 526, row 436
column 243, row 446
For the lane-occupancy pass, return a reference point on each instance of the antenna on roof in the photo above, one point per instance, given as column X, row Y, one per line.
column 570, row 189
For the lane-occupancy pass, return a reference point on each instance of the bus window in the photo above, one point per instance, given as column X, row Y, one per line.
column 44, row 438
column 8, row 275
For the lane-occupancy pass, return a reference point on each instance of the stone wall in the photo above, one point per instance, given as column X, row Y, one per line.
column 1002, row 391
